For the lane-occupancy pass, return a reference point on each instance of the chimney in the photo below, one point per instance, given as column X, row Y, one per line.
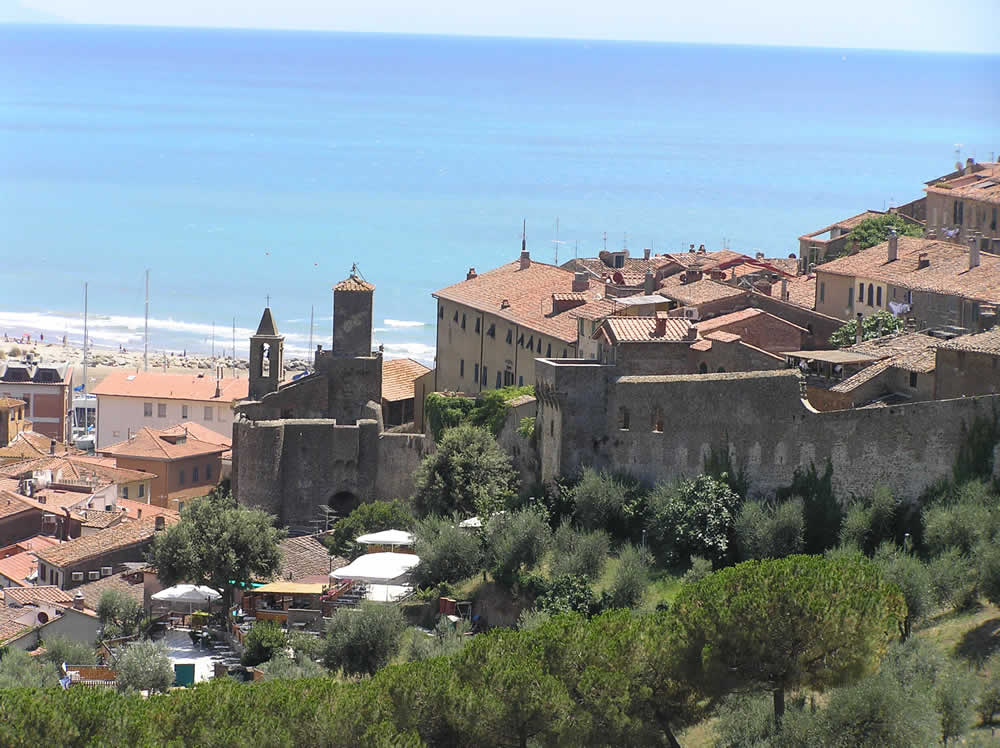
column 471, row 274
column 78, row 600
column 859, row 333
column 893, row 245
column 759, row 255
column 581, row 282
column 649, row 283
column 646, row 252
column 691, row 333
column 661, row 324
column 525, row 259
column 52, row 446
column 784, row 289
column 158, row 523
column 923, row 261
column 973, row 252
column 691, row 249
column 701, row 249
column 969, row 162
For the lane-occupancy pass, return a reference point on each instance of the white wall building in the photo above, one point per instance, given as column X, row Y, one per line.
column 127, row 401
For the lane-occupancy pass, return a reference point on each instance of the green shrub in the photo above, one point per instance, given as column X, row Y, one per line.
column 447, row 639
column 262, row 642
column 515, row 542
column 962, row 526
column 989, row 697
column 291, row 668
column 447, row 553
column 578, row 552
column 700, row 568
column 60, row 649
column 872, row 327
column 769, row 531
column 912, row 577
column 955, row 580
column 870, row 521
column 614, row 503
column 145, row 666
column 693, row 517
column 18, row 669
column 630, row 580
column 821, row 509
column 568, row 593
column 360, row 641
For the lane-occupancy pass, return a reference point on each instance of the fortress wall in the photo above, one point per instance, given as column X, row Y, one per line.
column 351, row 382
column 763, row 422
column 256, row 465
column 398, row 458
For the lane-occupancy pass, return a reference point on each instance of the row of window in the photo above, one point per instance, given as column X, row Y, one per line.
column 195, row 475
column 874, row 295
column 161, row 411
column 504, row 379
column 656, row 419
column 141, row 493
column 492, row 332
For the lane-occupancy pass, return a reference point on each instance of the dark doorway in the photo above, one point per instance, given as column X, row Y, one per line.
column 343, row 503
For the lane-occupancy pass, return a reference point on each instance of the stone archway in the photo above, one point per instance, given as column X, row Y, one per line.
column 343, row 503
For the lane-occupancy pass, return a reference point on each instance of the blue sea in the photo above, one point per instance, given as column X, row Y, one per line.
column 241, row 165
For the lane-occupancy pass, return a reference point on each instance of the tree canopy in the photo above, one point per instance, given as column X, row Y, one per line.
column 219, row 544
column 873, row 326
column 468, row 474
column 786, row 623
column 875, row 230
column 373, row 516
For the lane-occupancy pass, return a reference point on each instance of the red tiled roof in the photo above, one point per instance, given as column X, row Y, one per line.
column 99, row 518
column 159, row 386
column 17, row 567
column 802, row 291
column 697, row 292
column 982, row 185
column 157, row 445
column 354, row 283
column 12, row 503
column 75, row 469
column 6, row 403
column 981, row 342
column 948, row 272
column 92, row 546
column 92, row 591
column 723, row 337
column 744, row 315
column 9, row 627
column 398, row 376
column 41, row 594
column 30, row 444
column 306, row 556
column 523, row 297
column 595, row 309
column 132, row 509
column 643, row 330
column 202, row 434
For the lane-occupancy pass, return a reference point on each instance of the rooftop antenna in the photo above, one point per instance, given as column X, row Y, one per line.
column 145, row 335
column 524, row 235
column 85, row 338
column 625, row 240
column 311, row 310
column 958, row 156
column 576, row 252
column 267, row 301
column 234, row 347
column 556, row 242
column 213, row 340
column 605, row 241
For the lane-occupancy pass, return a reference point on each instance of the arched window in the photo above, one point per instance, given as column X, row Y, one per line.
column 878, row 296
column 265, row 360
column 623, row 419
column 871, row 295
column 861, row 293
column 703, row 368
column 658, row 419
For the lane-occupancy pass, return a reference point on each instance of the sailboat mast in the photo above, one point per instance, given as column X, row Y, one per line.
column 311, row 310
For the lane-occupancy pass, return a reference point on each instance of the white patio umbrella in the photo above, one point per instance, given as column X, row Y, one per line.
column 386, row 537
column 187, row 593
column 377, row 568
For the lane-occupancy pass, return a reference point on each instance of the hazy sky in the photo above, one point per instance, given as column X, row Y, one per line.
column 960, row 25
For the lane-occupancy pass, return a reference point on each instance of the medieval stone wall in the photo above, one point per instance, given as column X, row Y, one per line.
column 759, row 417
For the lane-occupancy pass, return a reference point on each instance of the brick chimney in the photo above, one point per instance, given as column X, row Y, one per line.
column 159, row 524
column 859, row 333
column 923, row 261
column 691, row 333
column 581, row 282
column 52, row 446
column 969, row 163
column 78, row 600
column 525, row 259
column 893, row 245
column 661, row 324
column 973, row 252
column 646, row 252
column 784, row 289
column 471, row 274
column 649, row 283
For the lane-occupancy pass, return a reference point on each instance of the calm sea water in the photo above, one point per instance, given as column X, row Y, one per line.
column 237, row 165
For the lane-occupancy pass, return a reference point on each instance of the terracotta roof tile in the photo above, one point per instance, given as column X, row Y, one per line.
column 161, row 445
column 31, row 595
column 354, row 283
column 722, row 336
column 981, row 342
column 92, row 591
column 12, row 503
column 802, row 291
column 92, row 546
column 643, row 330
column 30, row 444
column 202, row 434
column 697, row 292
column 398, row 376
column 701, row 345
column 9, row 627
column 76, row 468
column 10, row 402
column 520, row 296
column 306, row 556
column 132, row 509
column 18, row 567
column 908, row 351
column 982, row 185
column 159, row 386
column 595, row 309
column 948, row 272
column 99, row 518
column 865, row 375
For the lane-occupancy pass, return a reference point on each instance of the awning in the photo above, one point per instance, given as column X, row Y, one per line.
column 386, row 537
column 377, row 568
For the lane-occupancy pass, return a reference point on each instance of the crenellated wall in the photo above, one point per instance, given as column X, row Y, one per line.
column 759, row 417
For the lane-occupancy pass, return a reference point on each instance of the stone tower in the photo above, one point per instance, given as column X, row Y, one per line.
column 352, row 317
column 266, row 358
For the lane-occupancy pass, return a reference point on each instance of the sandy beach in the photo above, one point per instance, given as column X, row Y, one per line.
column 103, row 360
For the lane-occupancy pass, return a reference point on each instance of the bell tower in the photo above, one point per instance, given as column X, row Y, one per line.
column 266, row 357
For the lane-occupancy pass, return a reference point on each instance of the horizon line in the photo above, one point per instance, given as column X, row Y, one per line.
column 468, row 35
